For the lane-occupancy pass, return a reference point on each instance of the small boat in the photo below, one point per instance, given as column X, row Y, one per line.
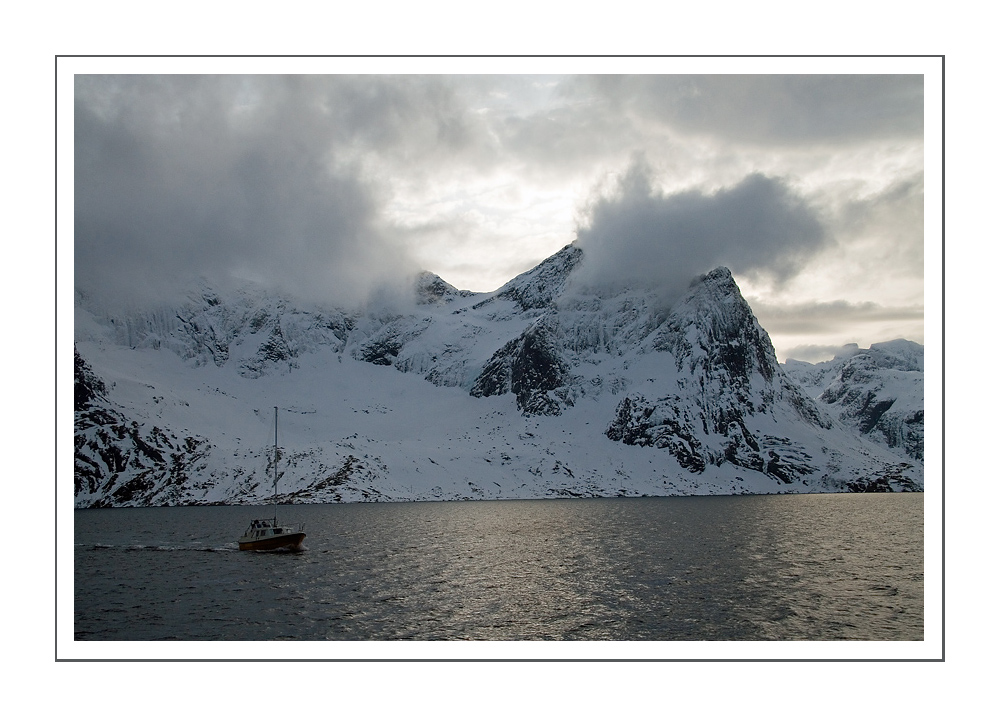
column 265, row 533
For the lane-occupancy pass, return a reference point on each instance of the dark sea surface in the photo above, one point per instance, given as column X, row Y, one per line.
column 795, row 567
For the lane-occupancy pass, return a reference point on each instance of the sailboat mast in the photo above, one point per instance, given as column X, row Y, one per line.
column 275, row 465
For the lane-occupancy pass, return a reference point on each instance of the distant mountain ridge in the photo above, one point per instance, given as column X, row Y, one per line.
column 542, row 388
column 878, row 391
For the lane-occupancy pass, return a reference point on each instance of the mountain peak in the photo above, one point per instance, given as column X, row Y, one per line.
column 539, row 287
column 432, row 289
column 719, row 274
column 716, row 285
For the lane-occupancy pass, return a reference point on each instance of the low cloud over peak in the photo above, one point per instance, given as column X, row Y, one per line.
column 637, row 234
column 333, row 187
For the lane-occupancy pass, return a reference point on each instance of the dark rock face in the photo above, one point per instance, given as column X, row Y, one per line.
column 384, row 344
column 727, row 374
column 380, row 351
column 912, row 434
column 891, row 481
column 204, row 339
column 123, row 462
column 872, row 411
column 92, row 411
column 530, row 367
column 533, row 366
column 274, row 351
column 786, row 461
column 494, row 380
column 665, row 424
column 535, row 371
column 87, row 387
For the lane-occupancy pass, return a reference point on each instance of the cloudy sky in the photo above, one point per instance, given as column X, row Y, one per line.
column 810, row 188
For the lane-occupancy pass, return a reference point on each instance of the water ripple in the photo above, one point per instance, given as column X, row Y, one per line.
column 725, row 568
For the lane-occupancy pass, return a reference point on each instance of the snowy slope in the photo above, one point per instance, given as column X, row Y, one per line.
column 878, row 392
column 538, row 389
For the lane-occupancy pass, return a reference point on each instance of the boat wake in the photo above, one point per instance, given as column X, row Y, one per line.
column 166, row 548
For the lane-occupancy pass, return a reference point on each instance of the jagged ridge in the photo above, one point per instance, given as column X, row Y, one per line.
column 537, row 389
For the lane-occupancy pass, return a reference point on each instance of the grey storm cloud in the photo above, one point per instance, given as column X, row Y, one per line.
column 180, row 177
column 767, row 109
column 328, row 186
column 576, row 123
column 639, row 235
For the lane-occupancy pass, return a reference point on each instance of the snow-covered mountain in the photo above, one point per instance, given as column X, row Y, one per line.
column 542, row 388
column 879, row 392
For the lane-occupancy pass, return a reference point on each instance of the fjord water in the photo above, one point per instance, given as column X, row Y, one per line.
column 790, row 567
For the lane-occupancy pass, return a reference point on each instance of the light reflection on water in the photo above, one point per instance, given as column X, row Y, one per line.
column 824, row 567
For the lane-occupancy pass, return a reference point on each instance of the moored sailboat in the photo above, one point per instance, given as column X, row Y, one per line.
column 265, row 533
